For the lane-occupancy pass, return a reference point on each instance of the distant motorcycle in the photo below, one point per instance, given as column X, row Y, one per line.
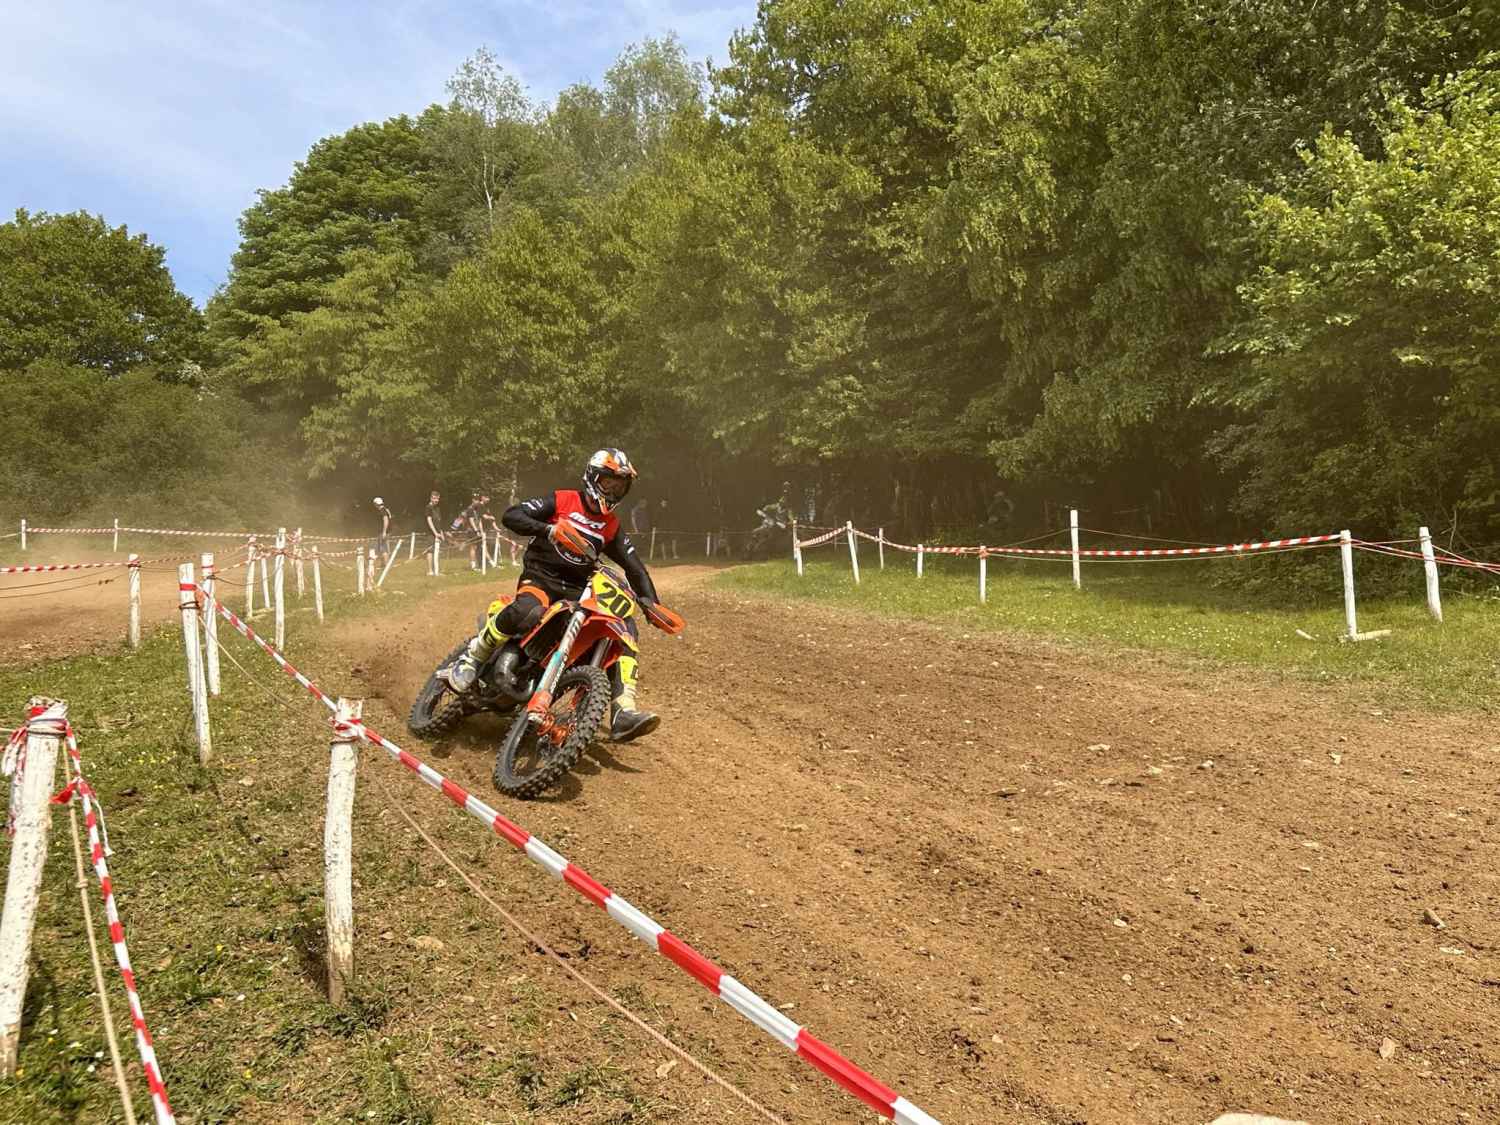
column 559, row 692
column 764, row 541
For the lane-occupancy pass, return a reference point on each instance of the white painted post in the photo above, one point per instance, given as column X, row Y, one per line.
column 1346, row 550
column 484, row 550
column 297, row 560
column 317, row 584
column 28, row 858
column 1429, row 563
column 437, row 557
column 211, row 625
column 359, row 570
column 921, row 550
column 796, row 549
column 881, row 543
column 117, row 534
column 652, row 556
column 411, row 554
column 280, row 587
column 133, row 634
column 390, row 562
column 265, row 582
column 853, row 551
column 984, row 564
column 1073, row 527
column 187, row 596
column 250, row 579
column 708, row 545
column 23, row 535
column 338, row 849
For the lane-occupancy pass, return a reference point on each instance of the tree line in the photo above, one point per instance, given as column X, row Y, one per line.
column 1192, row 266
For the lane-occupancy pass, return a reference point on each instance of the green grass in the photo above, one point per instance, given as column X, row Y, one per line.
column 1185, row 608
column 218, row 874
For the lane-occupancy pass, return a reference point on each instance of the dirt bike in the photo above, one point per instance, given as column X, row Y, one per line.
column 559, row 692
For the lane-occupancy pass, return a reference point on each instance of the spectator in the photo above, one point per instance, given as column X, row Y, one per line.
column 435, row 517
column 380, row 548
column 640, row 517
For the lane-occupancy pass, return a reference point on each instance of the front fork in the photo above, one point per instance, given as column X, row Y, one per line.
column 541, row 698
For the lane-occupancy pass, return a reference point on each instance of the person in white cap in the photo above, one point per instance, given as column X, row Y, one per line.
column 381, row 547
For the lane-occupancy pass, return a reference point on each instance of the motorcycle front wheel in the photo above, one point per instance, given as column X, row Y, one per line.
column 436, row 710
column 536, row 754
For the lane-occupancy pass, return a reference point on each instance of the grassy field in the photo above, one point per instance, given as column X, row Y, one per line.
column 1180, row 608
column 218, row 872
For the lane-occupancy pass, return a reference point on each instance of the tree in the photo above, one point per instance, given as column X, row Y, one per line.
column 364, row 189
column 77, row 291
column 1371, row 393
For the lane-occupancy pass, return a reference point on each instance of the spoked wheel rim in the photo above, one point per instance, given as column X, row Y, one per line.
column 543, row 741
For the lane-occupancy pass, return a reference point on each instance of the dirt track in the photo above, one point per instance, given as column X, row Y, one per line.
column 1004, row 879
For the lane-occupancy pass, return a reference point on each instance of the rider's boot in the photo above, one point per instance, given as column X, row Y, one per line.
column 462, row 673
column 628, row 723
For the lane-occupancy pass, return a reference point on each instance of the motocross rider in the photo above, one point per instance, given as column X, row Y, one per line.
column 569, row 528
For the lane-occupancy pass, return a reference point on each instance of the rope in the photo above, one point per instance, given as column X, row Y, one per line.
column 619, row 1008
column 88, row 927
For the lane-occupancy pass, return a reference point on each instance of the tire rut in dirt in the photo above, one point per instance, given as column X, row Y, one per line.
column 430, row 717
column 588, row 713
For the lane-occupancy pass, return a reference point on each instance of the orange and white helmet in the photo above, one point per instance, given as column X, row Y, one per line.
column 607, row 478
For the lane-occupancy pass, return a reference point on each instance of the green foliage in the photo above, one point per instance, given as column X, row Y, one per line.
column 1374, row 341
column 1213, row 264
column 362, row 190
column 74, row 290
column 82, row 443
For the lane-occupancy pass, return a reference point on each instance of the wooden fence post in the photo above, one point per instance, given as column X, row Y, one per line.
column 23, row 535
column 1073, row 527
column 338, row 848
column 390, row 561
column 133, row 633
column 265, row 581
column 881, row 543
column 1346, row 551
column 280, row 586
column 211, row 624
column 853, row 551
column 187, row 591
column 116, row 547
column 921, row 550
column 317, row 584
column 28, row 858
column 796, row 550
column 984, row 564
column 412, row 553
column 1429, row 564
column 437, row 557
column 652, row 556
column 359, row 570
column 297, row 560
column 250, row 579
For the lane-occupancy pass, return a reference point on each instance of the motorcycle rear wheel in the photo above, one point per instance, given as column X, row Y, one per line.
column 437, row 711
column 529, row 762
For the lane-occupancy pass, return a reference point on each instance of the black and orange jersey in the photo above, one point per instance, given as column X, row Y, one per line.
column 533, row 517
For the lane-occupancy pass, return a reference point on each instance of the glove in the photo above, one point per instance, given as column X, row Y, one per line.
column 566, row 537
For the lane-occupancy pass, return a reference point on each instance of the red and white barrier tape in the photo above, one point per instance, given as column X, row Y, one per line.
column 42, row 568
column 141, row 531
column 879, row 1097
column 94, row 818
column 1096, row 552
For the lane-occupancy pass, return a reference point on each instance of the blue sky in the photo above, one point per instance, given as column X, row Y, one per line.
column 168, row 116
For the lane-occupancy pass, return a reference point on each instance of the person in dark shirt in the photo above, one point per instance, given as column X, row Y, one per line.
column 435, row 517
column 569, row 530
